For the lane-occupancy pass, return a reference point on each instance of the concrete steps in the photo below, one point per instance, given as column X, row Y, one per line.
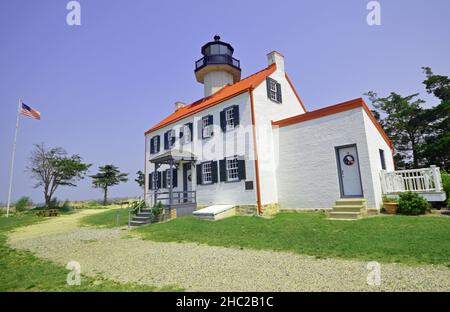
column 348, row 209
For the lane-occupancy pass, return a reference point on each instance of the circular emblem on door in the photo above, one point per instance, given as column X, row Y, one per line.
column 349, row 160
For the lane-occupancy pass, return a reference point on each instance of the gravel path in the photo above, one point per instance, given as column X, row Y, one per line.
column 114, row 254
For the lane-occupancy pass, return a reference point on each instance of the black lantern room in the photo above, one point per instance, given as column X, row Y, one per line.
column 217, row 56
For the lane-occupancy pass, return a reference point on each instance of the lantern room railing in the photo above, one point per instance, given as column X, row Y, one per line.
column 217, row 59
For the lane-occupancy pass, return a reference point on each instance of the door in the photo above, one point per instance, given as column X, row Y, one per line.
column 349, row 173
column 187, row 181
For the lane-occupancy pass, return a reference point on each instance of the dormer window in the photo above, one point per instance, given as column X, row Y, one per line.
column 273, row 90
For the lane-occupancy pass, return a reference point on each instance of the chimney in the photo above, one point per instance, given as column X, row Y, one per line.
column 277, row 58
column 179, row 104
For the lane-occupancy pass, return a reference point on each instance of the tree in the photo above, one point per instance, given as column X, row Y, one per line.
column 53, row 168
column 436, row 146
column 140, row 179
column 404, row 121
column 107, row 176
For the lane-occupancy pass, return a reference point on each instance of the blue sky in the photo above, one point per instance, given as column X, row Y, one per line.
column 100, row 85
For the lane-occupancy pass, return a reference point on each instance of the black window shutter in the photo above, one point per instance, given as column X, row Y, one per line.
column 174, row 177
column 164, row 179
column 214, row 171
column 211, row 122
column 181, row 132
column 158, row 143
column 200, row 128
column 150, row 181
column 241, row 168
column 279, row 99
column 268, row 87
column 223, row 122
column 236, row 115
column 152, row 147
column 158, row 181
column 191, row 128
column 223, row 170
column 199, row 174
column 166, row 140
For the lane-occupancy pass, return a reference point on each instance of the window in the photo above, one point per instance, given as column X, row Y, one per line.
column 168, row 178
column 229, row 118
column 187, row 135
column 206, row 173
column 207, row 129
column 232, row 169
column 383, row 160
column 273, row 90
column 155, row 145
column 171, row 137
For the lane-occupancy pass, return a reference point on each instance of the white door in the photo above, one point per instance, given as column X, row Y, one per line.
column 350, row 178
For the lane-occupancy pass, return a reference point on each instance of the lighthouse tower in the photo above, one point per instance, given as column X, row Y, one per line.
column 217, row 67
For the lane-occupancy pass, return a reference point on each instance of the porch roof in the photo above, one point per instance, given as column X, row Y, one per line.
column 175, row 156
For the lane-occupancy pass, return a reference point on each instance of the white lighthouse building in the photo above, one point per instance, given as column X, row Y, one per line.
column 251, row 146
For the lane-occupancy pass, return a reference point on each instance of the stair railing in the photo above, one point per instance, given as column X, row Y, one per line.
column 136, row 206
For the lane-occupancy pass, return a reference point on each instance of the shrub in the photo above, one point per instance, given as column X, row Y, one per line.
column 412, row 204
column 446, row 185
column 23, row 203
column 156, row 211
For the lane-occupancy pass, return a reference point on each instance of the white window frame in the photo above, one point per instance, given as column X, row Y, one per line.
column 232, row 169
column 170, row 135
column 187, row 135
column 169, row 178
column 273, row 90
column 155, row 145
column 207, row 173
column 154, row 180
column 229, row 118
column 206, row 128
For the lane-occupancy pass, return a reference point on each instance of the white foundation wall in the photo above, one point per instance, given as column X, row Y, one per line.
column 375, row 143
column 268, row 152
column 238, row 141
column 307, row 173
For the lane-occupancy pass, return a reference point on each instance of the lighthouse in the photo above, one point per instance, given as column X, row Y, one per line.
column 217, row 67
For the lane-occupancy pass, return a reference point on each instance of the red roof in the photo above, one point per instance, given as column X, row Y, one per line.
column 334, row 109
column 223, row 94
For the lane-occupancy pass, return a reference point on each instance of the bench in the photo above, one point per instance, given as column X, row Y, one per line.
column 48, row 213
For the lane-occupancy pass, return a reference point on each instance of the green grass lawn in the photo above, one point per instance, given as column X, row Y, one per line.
column 108, row 219
column 21, row 271
column 405, row 239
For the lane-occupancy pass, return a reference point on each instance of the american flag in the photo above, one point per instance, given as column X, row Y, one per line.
column 30, row 112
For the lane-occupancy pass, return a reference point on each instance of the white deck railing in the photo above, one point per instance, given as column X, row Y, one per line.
column 416, row 180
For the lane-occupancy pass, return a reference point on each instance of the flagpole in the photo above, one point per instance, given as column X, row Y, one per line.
column 11, row 174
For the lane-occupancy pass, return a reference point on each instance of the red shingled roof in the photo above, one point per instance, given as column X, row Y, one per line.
column 334, row 109
column 223, row 94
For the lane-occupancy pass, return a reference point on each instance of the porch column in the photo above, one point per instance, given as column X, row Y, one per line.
column 171, row 183
column 155, row 176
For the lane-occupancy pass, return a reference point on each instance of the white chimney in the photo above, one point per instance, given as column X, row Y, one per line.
column 277, row 58
column 179, row 104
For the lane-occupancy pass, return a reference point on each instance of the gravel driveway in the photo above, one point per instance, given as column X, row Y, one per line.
column 113, row 254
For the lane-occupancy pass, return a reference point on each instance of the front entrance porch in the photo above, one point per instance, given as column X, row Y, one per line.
column 176, row 200
column 427, row 182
